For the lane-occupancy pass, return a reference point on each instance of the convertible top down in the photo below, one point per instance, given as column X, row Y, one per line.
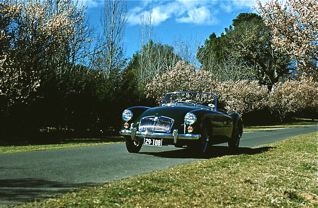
column 184, row 118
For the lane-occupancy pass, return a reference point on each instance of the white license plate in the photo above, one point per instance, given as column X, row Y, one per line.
column 153, row 142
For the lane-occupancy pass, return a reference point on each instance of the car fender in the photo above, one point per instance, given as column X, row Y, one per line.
column 204, row 118
column 137, row 111
column 237, row 122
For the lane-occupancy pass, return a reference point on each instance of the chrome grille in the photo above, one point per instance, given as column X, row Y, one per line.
column 156, row 124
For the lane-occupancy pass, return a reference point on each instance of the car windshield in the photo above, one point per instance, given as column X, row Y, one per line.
column 188, row 98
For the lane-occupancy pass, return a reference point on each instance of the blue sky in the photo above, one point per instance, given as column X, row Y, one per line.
column 173, row 21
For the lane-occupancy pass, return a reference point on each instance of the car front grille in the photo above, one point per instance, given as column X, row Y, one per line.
column 156, row 124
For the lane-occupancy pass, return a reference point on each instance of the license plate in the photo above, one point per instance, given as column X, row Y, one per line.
column 153, row 142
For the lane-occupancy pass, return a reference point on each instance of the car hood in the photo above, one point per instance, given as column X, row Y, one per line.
column 175, row 112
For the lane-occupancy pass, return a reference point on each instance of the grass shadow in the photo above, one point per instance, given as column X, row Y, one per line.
column 13, row 191
column 213, row 152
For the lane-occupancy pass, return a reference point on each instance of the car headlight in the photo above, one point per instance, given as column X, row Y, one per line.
column 127, row 115
column 190, row 119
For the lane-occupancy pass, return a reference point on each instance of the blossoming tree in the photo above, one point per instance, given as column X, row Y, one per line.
column 294, row 29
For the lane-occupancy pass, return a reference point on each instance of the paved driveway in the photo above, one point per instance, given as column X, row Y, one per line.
column 34, row 175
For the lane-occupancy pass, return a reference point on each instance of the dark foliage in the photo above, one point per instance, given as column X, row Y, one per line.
column 78, row 103
column 246, row 42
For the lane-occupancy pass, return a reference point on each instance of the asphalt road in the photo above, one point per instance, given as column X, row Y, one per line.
column 36, row 175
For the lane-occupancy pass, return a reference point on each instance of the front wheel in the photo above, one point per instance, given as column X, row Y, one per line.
column 133, row 146
column 201, row 147
column 234, row 142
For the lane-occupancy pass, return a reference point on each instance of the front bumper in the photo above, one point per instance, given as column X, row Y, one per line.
column 175, row 135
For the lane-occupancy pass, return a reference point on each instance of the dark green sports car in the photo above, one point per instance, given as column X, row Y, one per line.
column 183, row 119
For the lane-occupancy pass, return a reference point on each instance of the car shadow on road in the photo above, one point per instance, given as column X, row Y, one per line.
column 214, row 151
column 15, row 191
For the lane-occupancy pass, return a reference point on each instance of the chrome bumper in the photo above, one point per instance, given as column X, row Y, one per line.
column 175, row 136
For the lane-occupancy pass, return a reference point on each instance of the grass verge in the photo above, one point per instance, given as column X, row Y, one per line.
column 283, row 176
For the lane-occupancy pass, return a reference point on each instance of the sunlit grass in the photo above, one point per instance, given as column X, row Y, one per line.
column 283, row 176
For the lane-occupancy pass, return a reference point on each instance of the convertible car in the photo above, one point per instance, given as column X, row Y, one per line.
column 183, row 119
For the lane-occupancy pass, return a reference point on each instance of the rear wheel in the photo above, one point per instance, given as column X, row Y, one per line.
column 133, row 146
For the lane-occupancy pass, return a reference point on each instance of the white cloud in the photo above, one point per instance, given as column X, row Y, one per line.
column 197, row 3
column 156, row 14
column 184, row 11
column 90, row 3
column 201, row 15
column 243, row 3
column 246, row 3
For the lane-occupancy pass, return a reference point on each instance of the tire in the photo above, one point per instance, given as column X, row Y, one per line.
column 202, row 145
column 234, row 142
column 133, row 146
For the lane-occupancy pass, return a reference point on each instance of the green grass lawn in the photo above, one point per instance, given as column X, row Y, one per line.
column 283, row 176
